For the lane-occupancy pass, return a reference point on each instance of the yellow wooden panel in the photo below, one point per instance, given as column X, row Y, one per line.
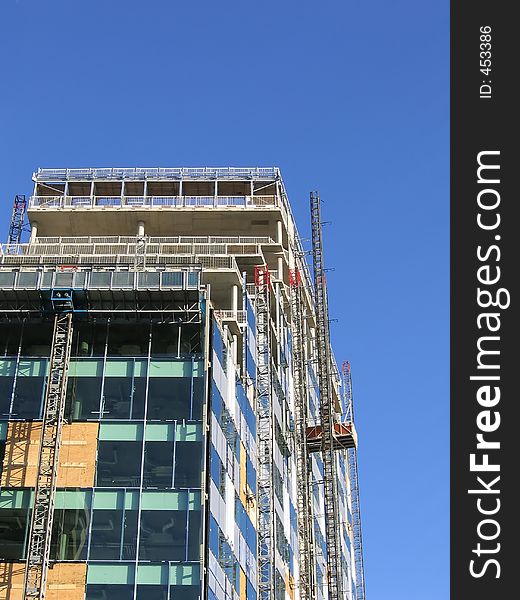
column 243, row 483
column 77, row 458
column 11, row 581
column 21, row 454
column 242, row 584
column 289, row 585
column 66, row 581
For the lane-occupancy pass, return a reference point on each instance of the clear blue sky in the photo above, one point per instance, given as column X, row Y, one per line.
column 350, row 98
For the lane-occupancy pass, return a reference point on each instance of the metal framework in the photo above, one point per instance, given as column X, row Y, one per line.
column 39, row 545
column 17, row 220
column 265, row 435
column 303, row 498
column 354, row 489
column 332, row 517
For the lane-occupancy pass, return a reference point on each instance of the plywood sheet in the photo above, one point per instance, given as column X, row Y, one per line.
column 76, row 461
column 66, row 581
column 11, row 581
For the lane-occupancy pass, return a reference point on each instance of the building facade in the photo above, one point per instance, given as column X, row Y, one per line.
column 176, row 470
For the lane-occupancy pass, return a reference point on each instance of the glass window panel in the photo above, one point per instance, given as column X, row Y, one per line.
column 158, row 464
column 105, row 541
column 193, row 279
column 100, row 279
column 109, row 591
column 171, row 279
column 188, row 465
column 123, row 279
column 70, row 534
column 129, row 535
column 28, row 396
column 169, row 398
column 119, row 464
column 10, row 338
column 198, row 398
column 117, row 398
column 7, row 279
column 165, row 339
column 27, row 279
column 185, row 592
column 83, row 398
column 6, row 389
column 128, row 339
column 152, row 592
column 194, row 538
column 163, row 535
column 148, row 280
column 89, row 339
column 36, row 338
column 13, row 531
column 191, row 340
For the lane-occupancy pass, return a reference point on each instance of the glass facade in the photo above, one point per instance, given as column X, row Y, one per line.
column 139, row 526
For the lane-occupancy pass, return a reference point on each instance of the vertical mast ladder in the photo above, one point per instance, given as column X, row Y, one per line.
column 265, row 436
column 354, row 489
column 39, row 545
column 332, row 518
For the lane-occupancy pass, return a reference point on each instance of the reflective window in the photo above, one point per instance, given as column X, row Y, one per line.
column 119, row 464
column 169, row 398
column 13, row 531
column 109, row 591
column 163, row 535
column 89, row 339
column 198, row 398
column 105, row 541
column 128, row 339
column 10, row 338
column 70, row 534
column 124, row 397
column 188, row 464
column 83, row 398
column 152, row 592
column 37, row 338
column 194, row 538
column 28, row 395
column 185, row 592
column 6, row 389
column 165, row 339
column 158, row 464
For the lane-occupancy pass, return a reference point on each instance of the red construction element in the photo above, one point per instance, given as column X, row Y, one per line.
column 68, row 268
column 262, row 276
column 295, row 277
column 345, row 367
column 344, row 436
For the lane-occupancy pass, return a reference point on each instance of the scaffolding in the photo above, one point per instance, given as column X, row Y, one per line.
column 16, row 227
column 354, row 489
column 303, row 499
column 39, row 544
column 326, row 410
column 265, row 435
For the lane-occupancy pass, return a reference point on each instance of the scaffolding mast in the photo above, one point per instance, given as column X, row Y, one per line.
column 303, row 503
column 17, row 221
column 39, row 544
column 326, row 412
column 354, row 488
column 265, row 426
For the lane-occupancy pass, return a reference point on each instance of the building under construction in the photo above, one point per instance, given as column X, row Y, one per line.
column 173, row 425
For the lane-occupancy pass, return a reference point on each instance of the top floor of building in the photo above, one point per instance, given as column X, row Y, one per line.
column 168, row 201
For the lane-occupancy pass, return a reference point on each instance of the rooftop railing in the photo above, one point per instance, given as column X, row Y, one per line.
column 179, row 239
column 150, row 202
column 138, row 173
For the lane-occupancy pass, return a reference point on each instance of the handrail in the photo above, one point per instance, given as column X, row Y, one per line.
column 57, row 202
column 139, row 173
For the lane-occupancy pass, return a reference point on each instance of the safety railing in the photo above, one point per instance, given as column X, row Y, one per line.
column 240, row 316
column 115, row 239
column 158, row 173
column 148, row 202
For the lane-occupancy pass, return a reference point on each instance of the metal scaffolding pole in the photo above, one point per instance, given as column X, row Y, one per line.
column 265, row 426
column 303, row 498
column 332, row 518
column 354, row 489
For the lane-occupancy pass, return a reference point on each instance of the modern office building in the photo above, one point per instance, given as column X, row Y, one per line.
column 162, row 430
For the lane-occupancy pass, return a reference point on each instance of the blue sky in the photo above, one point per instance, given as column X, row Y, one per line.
column 350, row 98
